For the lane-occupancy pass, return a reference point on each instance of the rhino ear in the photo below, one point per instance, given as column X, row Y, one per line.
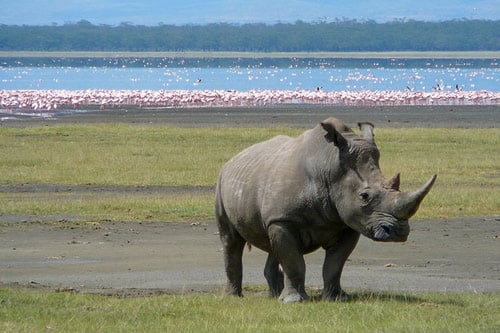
column 332, row 135
column 367, row 131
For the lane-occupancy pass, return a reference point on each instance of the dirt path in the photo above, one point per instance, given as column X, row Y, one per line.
column 455, row 255
column 458, row 255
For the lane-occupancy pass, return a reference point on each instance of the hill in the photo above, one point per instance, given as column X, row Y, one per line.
column 341, row 36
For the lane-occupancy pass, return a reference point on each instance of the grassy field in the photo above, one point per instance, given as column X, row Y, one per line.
column 23, row 311
column 113, row 155
column 467, row 162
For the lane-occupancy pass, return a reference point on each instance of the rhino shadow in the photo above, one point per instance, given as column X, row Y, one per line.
column 385, row 296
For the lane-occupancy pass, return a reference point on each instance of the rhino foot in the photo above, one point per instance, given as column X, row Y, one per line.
column 292, row 297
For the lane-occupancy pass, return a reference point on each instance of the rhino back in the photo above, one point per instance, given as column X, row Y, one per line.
column 245, row 178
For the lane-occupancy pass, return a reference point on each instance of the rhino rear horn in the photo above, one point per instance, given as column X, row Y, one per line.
column 367, row 130
column 393, row 183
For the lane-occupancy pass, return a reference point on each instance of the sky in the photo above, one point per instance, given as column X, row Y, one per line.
column 154, row 12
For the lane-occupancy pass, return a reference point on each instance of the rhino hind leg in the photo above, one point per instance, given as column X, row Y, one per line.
column 286, row 250
column 233, row 245
column 274, row 276
column 335, row 258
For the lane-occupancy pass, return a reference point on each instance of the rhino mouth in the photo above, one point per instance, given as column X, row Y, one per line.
column 385, row 232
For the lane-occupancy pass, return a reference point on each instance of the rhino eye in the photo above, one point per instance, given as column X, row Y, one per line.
column 365, row 197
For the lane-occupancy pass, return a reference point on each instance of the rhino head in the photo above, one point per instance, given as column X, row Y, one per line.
column 366, row 201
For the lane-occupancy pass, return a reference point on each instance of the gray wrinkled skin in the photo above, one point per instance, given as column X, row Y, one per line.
column 290, row 196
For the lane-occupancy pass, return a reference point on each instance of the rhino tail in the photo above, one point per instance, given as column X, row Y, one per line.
column 219, row 205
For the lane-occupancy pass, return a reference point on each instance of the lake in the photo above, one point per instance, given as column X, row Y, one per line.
column 242, row 74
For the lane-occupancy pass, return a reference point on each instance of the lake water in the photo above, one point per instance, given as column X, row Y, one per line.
column 250, row 74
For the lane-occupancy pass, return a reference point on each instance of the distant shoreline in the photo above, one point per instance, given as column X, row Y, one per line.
column 207, row 54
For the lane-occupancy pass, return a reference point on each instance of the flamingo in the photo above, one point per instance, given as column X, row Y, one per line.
column 44, row 100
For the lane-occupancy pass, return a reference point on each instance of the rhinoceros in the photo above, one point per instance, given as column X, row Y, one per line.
column 290, row 196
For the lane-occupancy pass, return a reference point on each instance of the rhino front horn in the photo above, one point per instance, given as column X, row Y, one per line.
column 414, row 199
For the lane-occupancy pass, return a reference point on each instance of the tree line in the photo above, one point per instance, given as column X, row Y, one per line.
column 338, row 36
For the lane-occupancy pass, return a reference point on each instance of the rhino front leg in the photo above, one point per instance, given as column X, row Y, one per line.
column 335, row 259
column 274, row 276
column 286, row 250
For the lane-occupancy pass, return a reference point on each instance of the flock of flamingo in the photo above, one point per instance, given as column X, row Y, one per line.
column 47, row 100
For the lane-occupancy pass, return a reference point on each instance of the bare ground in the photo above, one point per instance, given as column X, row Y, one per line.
column 51, row 252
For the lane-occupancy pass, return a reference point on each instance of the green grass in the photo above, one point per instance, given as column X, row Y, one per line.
column 121, row 154
column 118, row 155
column 28, row 311
column 466, row 160
column 111, row 206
